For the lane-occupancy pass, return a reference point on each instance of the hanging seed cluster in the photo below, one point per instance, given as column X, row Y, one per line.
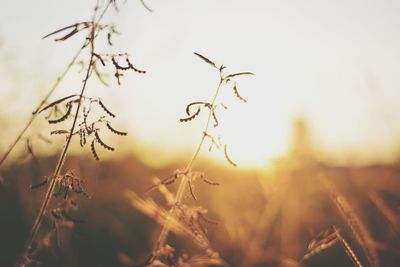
column 65, row 184
column 197, row 106
column 87, row 130
column 191, row 218
column 120, row 62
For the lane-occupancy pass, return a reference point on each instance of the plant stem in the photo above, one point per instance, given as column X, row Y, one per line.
column 61, row 160
column 41, row 104
column 182, row 185
column 48, row 95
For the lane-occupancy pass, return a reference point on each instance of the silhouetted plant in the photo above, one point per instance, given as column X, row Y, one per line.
column 78, row 107
column 187, row 217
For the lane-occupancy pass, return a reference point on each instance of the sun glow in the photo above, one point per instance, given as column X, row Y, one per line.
column 255, row 132
column 335, row 76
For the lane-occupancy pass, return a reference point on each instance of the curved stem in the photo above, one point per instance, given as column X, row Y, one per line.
column 182, row 185
column 61, row 160
column 41, row 104
column 48, row 95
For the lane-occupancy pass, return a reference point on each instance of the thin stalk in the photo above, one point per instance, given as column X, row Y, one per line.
column 61, row 160
column 182, row 185
column 41, row 104
column 48, row 95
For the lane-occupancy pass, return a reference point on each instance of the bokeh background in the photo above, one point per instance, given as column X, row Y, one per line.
column 321, row 128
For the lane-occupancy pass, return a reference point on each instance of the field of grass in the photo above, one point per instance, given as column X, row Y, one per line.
column 264, row 219
column 69, row 198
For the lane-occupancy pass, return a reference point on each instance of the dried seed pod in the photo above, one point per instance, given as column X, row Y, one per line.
column 82, row 137
column 192, row 104
column 115, row 131
column 228, row 158
column 64, row 117
column 191, row 117
column 102, row 143
column 117, row 66
column 133, row 67
column 105, row 109
column 235, row 90
column 93, row 149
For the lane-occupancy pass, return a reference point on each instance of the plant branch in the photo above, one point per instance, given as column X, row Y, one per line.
column 184, row 181
column 49, row 93
column 61, row 160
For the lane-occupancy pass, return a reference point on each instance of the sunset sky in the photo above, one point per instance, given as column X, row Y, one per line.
column 334, row 63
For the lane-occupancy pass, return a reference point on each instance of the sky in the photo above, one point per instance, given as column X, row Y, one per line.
column 334, row 63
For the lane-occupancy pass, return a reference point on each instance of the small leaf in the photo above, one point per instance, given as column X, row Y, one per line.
column 59, row 132
column 99, row 58
column 146, row 6
column 75, row 29
column 206, row 60
column 239, row 74
column 56, row 102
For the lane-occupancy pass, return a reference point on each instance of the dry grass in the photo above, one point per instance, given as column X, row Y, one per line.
column 87, row 129
column 302, row 213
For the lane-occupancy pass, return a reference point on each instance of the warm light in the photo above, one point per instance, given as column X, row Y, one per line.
column 255, row 132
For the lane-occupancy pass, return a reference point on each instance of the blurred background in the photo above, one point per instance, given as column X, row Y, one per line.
column 317, row 143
